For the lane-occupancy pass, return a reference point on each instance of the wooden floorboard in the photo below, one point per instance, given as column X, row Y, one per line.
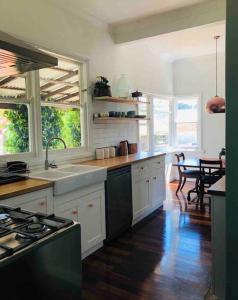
column 168, row 257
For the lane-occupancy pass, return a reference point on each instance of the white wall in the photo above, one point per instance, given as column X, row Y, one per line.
column 197, row 76
column 146, row 68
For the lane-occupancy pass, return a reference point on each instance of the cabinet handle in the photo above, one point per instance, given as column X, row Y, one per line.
column 147, row 181
column 42, row 203
column 90, row 205
column 74, row 212
column 158, row 162
column 155, row 178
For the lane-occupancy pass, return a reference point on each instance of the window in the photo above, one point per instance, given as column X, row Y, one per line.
column 60, row 104
column 161, row 119
column 41, row 104
column 144, row 136
column 175, row 122
column 186, row 127
column 14, row 115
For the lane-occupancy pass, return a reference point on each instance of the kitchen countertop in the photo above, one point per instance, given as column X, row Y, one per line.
column 13, row 189
column 219, row 188
column 31, row 185
column 122, row 161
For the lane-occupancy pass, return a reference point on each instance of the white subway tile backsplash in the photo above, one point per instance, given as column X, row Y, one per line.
column 105, row 135
column 112, row 134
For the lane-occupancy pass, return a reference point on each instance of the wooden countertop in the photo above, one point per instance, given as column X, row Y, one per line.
column 219, row 188
column 13, row 189
column 122, row 161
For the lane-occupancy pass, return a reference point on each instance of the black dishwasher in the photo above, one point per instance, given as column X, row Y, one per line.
column 118, row 202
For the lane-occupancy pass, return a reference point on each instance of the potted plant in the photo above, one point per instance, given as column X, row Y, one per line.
column 101, row 87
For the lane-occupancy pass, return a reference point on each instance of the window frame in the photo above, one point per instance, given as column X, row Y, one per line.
column 172, row 138
column 170, row 100
column 36, row 155
column 199, row 122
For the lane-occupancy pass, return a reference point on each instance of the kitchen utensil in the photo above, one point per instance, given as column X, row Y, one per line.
column 140, row 116
column 131, row 114
column 17, row 166
column 112, row 114
column 132, row 148
column 136, row 94
column 123, row 148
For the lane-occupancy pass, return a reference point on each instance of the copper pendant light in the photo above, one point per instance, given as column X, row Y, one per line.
column 216, row 104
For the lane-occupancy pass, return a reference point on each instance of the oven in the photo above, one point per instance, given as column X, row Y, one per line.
column 48, row 268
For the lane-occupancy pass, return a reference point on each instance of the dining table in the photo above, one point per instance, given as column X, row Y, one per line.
column 194, row 163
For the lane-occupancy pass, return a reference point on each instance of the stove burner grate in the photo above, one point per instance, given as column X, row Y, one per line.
column 35, row 228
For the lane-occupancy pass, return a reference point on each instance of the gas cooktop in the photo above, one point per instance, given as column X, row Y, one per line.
column 20, row 228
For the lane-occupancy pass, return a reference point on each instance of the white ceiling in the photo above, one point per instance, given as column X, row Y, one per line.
column 111, row 11
column 196, row 41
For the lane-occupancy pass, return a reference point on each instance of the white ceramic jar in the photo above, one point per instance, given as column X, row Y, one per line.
column 106, row 153
column 112, row 151
column 99, row 153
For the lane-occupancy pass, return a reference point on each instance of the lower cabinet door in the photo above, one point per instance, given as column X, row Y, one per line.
column 92, row 219
column 140, row 195
column 68, row 211
column 157, row 189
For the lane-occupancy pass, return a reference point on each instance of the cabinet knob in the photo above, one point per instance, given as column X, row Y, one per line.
column 42, row 203
column 74, row 212
column 147, row 181
column 158, row 162
column 90, row 205
column 142, row 168
column 155, row 178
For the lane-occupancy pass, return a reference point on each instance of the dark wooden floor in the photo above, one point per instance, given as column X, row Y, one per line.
column 167, row 258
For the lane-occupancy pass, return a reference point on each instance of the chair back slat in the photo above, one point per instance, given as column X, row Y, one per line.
column 206, row 166
column 180, row 157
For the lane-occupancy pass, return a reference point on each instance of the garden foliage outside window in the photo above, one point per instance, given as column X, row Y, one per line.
column 14, row 115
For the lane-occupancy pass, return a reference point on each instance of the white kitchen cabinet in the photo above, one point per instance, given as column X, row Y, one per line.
column 157, row 187
column 148, row 187
column 39, row 201
column 140, row 195
column 92, row 219
column 86, row 206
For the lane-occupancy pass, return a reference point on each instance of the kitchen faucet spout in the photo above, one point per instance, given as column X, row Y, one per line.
column 47, row 164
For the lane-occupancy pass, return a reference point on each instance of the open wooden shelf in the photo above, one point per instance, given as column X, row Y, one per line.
column 111, row 120
column 129, row 101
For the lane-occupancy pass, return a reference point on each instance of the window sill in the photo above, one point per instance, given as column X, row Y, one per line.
column 177, row 149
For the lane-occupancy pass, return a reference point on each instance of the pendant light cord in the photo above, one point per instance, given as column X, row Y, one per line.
column 216, row 67
column 216, row 38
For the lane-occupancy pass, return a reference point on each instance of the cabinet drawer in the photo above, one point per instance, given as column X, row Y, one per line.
column 157, row 163
column 140, row 171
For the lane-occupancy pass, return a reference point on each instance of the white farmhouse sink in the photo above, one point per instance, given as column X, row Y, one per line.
column 72, row 177
column 77, row 168
column 51, row 175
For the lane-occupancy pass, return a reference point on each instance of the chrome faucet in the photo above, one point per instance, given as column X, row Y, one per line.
column 47, row 164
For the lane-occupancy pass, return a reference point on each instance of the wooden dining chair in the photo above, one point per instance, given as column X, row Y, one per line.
column 185, row 173
column 208, row 176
